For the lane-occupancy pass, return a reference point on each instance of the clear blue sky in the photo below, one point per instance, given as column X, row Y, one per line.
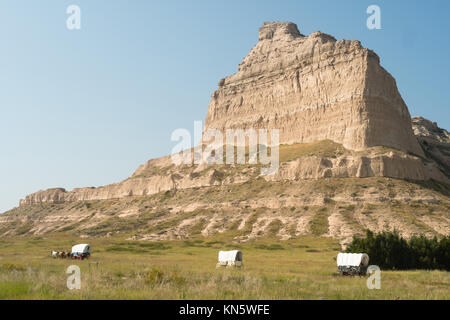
column 85, row 108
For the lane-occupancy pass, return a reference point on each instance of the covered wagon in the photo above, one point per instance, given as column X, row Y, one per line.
column 81, row 251
column 352, row 263
column 230, row 259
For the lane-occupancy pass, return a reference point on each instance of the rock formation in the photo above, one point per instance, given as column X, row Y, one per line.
column 390, row 164
column 341, row 119
column 311, row 88
column 435, row 142
column 314, row 88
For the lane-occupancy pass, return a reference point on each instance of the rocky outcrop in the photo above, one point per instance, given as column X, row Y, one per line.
column 424, row 129
column 313, row 88
column 391, row 165
column 338, row 208
column 54, row 195
column 160, row 175
column 435, row 142
column 157, row 175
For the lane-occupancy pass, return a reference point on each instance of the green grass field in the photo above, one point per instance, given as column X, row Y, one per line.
column 303, row 268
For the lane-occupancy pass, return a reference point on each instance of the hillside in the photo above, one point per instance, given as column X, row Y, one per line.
column 351, row 158
column 240, row 205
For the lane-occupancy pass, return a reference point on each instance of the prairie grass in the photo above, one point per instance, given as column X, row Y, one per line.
column 319, row 223
column 324, row 148
column 302, row 268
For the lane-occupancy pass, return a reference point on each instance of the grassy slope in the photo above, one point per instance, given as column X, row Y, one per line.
column 301, row 268
column 155, row 214
column 297, row 269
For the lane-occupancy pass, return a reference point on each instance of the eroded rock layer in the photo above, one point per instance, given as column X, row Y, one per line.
column 313, row 88
column 321, row 94
column 160, row 175
column 435, row 142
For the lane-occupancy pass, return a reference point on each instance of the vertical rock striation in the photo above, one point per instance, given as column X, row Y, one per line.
column 313, row 88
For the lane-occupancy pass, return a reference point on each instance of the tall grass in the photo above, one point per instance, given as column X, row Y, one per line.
column 303, row 268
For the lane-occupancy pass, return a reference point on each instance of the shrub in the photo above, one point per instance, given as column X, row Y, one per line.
column 390, row 251
column 274, row 227
column 274, row 246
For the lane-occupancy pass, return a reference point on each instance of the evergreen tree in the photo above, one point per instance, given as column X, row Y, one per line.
column 390, row 251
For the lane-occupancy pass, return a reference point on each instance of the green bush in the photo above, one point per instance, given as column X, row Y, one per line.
column 274, row 246
column 390, row 251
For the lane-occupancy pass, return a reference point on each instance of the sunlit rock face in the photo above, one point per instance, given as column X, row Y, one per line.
column 313, row 88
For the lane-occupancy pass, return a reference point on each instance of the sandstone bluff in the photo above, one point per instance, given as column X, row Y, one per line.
column 341, row 119
column 314, row 88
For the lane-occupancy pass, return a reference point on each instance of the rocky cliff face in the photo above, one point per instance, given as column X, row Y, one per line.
column 160, row 175
column 336, row 207
column 435, row 142
column 313, row 88
column 371, row 165
column 350, row 159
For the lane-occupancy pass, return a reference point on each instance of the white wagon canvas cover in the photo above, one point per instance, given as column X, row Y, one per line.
column 352, row 263
column 352, row 259
column 81, row 248
column 230, row 258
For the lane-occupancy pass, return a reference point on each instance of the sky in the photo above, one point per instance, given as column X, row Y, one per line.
column 86, row 107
